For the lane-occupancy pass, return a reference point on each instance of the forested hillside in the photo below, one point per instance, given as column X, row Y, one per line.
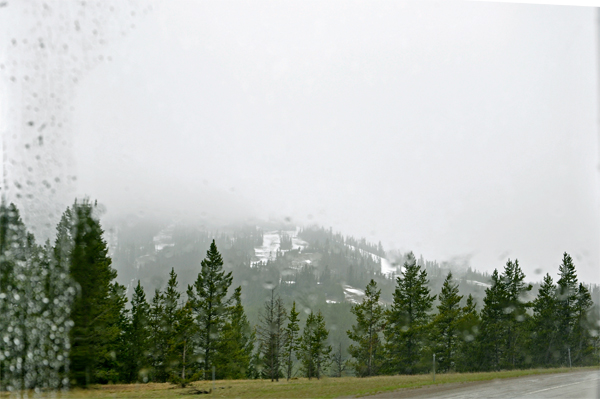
column 179, row 302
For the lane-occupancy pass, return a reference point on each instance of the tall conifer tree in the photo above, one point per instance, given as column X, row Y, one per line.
column 468, row 326
column 137, row 337
column 445, row 332
column 209, row 304
column 582, row 340
column 291, row 341
column 493, row 326
column 566, row 300
column 544, row 325
column 236, row 343
column 271, row 335
column 408, row 319
column 96, row 310
column 366, row 333
column 314, row 351
column 515, row 309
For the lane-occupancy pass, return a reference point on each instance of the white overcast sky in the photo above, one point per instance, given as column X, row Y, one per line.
column 453, row 129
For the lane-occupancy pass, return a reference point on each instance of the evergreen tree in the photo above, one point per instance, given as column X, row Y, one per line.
column 137, row 337
column 582, row 340
column 468, row 326
column 109, row 368
column 171, row 338
column 492, row 324
column 408, row 319
column 291, row 341
column 236, row 343
column 544, row 325
column 158, row 338
column 210, row 308
column 96, row 309
column 315, row 354
column 271, row 335
column 185, row 330
column 366, row 333
column 445, row 325
column 515, row 309
column 566, row 300
column 15, row 255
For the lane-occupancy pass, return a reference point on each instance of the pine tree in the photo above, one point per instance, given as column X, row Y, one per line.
column 271, row 335
column 408, row 319
column 291, row 341
column 366, row 333
column 110, row 365
column 236, row 343
column 582, row 341
column 137, row 337
column 566, row 300
column 158, row 338
column 468, row 326
column 96, row 309
column 185, row 331
column 544, row 325
column 208, row 301
column 170, row 318
column 315, row 354
column 15, row 256
column 493, row 326
column 445, row 325
column 515, row 309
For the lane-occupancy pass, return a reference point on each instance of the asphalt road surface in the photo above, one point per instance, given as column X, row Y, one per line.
column 576, row 385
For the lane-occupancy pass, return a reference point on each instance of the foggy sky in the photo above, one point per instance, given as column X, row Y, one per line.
column 459, row 131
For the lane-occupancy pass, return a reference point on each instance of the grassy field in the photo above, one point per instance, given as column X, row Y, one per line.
column 298, row 388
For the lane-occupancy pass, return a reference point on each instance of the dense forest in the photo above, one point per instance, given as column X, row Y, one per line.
column 179, row 304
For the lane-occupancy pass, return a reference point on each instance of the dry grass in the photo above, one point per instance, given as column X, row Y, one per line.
column 299, row 388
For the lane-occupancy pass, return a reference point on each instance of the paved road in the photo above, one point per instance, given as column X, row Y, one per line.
column 576, row 385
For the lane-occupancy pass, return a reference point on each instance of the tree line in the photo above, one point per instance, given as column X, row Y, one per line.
column 66, row 321
column 508, row 333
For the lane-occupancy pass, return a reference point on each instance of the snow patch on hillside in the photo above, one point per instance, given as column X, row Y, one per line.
column 164, row 238
column 272, row 243
column 387, row 268
column 353, row 295
column 479, row 283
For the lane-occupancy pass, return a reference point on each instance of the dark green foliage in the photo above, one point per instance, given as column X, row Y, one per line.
column 491, row 339
column 291, row 336
column 445, row 331
column 515, row 309
column 271, row 334
column 177, row 341
column 468, row 326
column 544, row 325
column 97, row 307
column 137, row 338
column 207, row 299
column 173, row 335
column 566, row 300
column 582, row 349
column 315, row 354
column 368, row 351
column 158, row 338
column 168, row 337
column 408, row 320
column 236, row 343
column 35, row 297
column 181, row 357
